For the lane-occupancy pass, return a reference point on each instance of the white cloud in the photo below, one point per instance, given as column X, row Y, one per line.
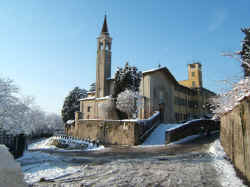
column 217, row 19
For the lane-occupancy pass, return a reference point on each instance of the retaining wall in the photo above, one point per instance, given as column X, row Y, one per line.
column 191, row 128
column 16, row 144
column 235, row 136
column 121, row 132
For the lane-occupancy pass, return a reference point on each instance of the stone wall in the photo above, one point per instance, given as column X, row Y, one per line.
column 235, row 136
column 16, row 144
column 121, row 132
column 191, row 128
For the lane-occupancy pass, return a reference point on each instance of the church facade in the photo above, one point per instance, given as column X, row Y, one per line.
column 176, row 101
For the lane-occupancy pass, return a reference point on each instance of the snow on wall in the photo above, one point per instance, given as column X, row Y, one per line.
column 10, row 170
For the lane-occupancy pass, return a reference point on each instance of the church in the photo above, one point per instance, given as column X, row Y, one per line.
column 176, row 100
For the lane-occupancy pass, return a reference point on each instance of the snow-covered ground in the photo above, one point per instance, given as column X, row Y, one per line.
column 37, row 165
column 224, row 168
column 45, row 144
column 157, row 137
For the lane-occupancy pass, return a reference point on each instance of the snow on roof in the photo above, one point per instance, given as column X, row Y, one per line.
column 95, row 98
column 87, row 98
column 102, row 98
column 152, row 70
column 165, row 69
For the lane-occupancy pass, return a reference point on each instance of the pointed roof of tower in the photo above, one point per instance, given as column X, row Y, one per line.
column 105, row 26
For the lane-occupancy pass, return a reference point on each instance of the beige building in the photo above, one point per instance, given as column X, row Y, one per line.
column 159, row 89
column 176, row 101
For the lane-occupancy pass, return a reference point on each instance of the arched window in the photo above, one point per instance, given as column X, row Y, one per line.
column 101, row 46
column 107, row 46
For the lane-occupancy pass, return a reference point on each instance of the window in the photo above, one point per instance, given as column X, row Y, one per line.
column 89, row 107
column 101, row 46
column 107, row 46
column 193, row 74
column 161, row 97
column 192, row 65
column 176, row 116
column 193, row 83
column 180, row 101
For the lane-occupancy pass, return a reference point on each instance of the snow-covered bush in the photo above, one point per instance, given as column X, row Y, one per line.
column 126, row 102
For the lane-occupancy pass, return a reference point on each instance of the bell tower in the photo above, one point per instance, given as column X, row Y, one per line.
column 103, row 61
column 195, row 75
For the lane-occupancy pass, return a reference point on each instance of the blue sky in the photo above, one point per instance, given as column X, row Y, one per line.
column 49, row 47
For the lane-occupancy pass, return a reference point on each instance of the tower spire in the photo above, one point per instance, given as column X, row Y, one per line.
column 103, row 61
column 105, row 26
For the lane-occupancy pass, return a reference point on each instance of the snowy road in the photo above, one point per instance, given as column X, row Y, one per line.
column 194, row 163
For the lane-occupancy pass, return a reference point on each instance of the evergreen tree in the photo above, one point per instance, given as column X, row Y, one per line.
column 92, row 87
column 126, row 78
column 72, row 103
column 245, row 52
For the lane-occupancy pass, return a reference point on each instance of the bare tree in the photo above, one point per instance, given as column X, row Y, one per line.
column 19, row 114
column 226, row 101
